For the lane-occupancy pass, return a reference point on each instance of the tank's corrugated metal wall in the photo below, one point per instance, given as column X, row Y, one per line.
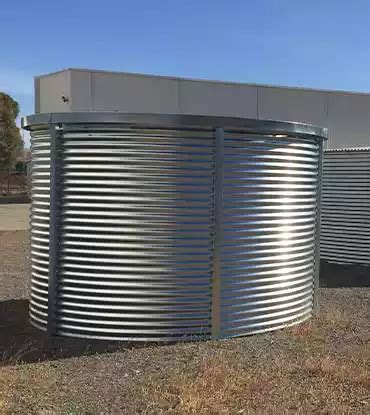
column 139, row 236
column 269, row 213
column 345, row 224
column 136, row 232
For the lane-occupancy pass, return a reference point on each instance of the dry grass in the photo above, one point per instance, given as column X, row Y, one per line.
column 213, row 387
column 320, row 328
column 219, row 385
column 355, row 372
column 29, row 391
column 321, row 366
column 292, row 371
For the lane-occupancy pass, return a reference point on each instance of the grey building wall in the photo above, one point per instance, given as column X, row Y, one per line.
column 347, row 115
column 49, row 91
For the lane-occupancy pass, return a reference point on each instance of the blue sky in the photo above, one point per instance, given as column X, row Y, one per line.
column 311, row 43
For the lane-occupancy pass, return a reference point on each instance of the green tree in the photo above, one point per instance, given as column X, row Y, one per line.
column 10, row 137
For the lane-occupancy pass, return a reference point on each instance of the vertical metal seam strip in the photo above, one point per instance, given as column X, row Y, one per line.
column 53, row 230
column 218, row 233
column 318, row 229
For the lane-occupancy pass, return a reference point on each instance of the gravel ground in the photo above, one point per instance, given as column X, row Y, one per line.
column 14, row 265
column 321, row 366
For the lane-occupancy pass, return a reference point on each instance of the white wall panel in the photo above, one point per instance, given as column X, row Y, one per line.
column 50, row 91
column 133, row 93
column 348, row 120
column 81, row 91
column 292, row 105
column 219, row 99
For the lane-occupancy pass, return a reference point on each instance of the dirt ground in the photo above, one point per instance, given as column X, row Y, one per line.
column 321, row 366
column 14, row 217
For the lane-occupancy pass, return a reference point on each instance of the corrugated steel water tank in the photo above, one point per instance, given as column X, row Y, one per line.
column 345, row 235
column 160, row 227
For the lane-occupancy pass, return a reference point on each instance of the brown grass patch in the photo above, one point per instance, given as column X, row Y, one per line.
column 6, row 382
column 213, row 388
column 220, row 385
column 26, row 390
column 339, row 371
column 320, row 327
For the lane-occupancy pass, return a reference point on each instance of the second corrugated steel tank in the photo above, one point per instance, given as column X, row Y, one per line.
column 173, row 227
column 345, row 234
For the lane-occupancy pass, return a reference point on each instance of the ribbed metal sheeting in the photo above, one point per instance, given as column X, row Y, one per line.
column 345, row 234
column 135, row 233
column 172, row 230
column 40, row 194
column 269, row 216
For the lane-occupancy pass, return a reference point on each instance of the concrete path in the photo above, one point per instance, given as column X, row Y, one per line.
column 14, row 217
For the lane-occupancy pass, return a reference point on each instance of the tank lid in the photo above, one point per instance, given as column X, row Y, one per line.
column 176, row 120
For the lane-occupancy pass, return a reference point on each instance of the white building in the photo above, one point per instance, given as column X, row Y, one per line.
column 345, row 114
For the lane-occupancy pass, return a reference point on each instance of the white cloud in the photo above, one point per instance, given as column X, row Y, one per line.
column 14, row 81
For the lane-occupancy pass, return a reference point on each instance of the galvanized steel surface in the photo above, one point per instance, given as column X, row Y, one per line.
column 173, row 229
column 345, row 234
column 269, row 216
column 40, row 213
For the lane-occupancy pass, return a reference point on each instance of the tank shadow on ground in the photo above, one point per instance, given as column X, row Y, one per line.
column 334, row 275
column 21, row 343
